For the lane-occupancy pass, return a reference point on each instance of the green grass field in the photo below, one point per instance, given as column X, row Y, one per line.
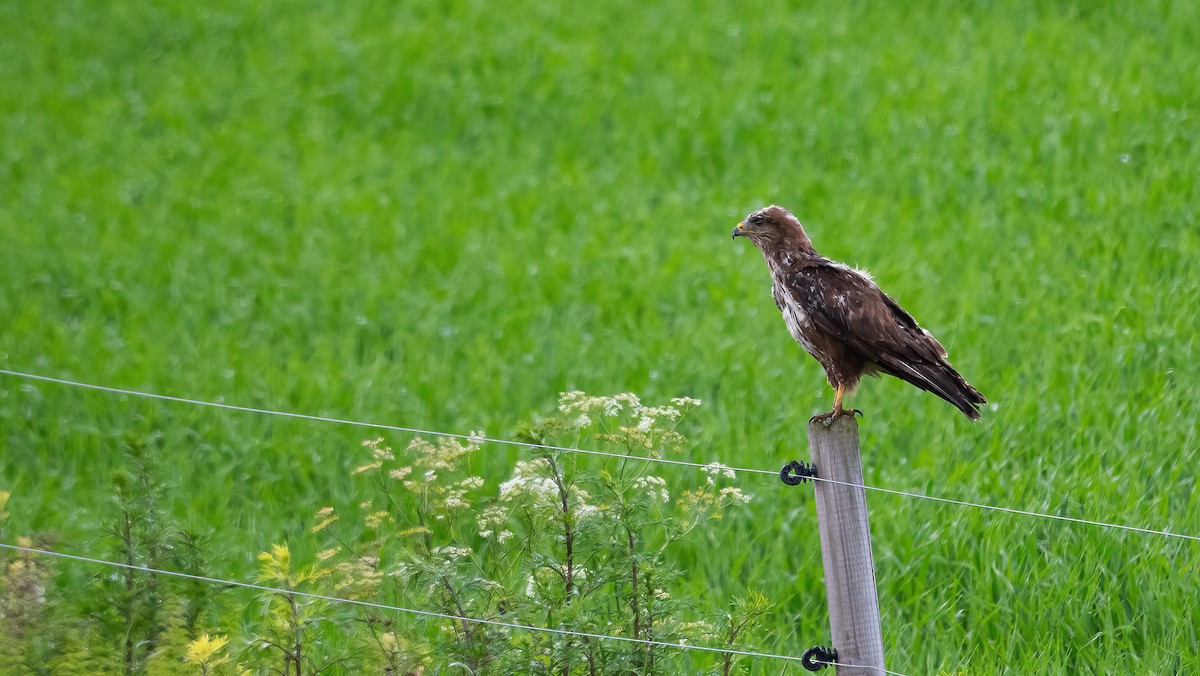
column 442, row 214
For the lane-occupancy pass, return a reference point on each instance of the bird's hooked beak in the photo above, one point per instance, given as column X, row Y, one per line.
column 738, row 231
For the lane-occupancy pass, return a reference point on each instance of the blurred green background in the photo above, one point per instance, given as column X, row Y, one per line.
column 442, row 214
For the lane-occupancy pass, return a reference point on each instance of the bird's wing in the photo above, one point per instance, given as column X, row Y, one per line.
column 847, row 305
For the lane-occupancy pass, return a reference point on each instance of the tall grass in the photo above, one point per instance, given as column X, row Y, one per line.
column 444, row 214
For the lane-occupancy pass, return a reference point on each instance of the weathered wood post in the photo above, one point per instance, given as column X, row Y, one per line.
column 846, row 546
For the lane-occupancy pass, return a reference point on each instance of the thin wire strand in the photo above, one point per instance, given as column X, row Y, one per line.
column 583, row 451
column 1009, row 510
column 398, row 609
column 358, row 423
column 855, row 666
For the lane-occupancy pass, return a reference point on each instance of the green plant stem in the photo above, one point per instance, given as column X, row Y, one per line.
column 633, row 579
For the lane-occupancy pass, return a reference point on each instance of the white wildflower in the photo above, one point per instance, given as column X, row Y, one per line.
column 568, row 402
column 668, row 412
column 504, row 536
column 527, row 481
column 450, row 553
column 575, row 402
column 400, row 473
column 472, row 483
column 612, row 407
column 629, row 398
column 717, row 469
column 490, row 519
column 686, row 402
column 444, row 455
column 735, row 495
column 456, row 499
column 654, row 486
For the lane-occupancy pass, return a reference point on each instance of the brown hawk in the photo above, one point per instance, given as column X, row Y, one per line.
column 844, row 320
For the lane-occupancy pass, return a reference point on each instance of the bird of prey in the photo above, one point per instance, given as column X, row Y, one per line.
column 842, row 319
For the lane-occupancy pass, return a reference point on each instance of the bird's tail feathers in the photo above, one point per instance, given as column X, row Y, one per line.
column 941, row 379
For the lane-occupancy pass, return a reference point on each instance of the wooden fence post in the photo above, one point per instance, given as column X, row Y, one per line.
column 846, row 546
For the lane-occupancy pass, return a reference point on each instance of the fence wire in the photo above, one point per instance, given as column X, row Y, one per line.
column 583, row 451
column 420, row 613
column 534, row 446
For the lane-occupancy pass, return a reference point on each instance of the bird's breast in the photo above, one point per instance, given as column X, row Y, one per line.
column 799, row 324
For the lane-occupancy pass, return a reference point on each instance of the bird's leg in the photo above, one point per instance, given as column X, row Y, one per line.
column 839, row 394
column 837, row 403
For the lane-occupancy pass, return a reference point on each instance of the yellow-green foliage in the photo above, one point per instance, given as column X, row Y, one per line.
column 203, row 652
column 172, row 644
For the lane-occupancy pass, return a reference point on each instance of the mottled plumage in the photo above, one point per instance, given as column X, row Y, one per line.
column 844, row 320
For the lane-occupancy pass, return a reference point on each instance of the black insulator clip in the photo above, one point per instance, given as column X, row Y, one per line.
column 818, row 657
column 797, row 472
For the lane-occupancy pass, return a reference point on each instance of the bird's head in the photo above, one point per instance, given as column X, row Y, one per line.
column 773, row 227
